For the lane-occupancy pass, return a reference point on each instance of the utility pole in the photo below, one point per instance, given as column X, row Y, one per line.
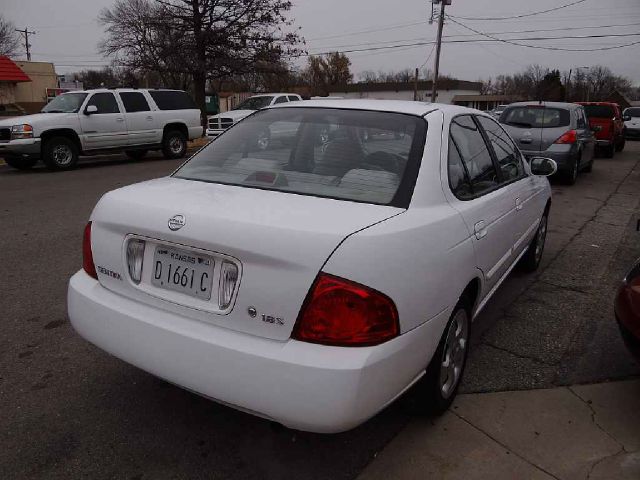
column 27, row 45
column 415, row 86
column 434, row 91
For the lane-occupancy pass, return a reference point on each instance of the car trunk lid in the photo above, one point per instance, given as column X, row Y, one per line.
column 279, row 241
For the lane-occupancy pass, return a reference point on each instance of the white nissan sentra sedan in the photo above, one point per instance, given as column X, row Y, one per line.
column 315, row 281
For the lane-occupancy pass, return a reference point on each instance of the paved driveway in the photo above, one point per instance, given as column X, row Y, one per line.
column 69, row 410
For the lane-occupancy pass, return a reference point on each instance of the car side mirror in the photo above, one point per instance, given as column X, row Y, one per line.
column 626, row 118
column 597, row 128
column 90, row 109
column 544, row 167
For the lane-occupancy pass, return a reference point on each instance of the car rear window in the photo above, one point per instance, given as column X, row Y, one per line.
column 172, row 100
column 362, row 156
column 535, row 117
column 599, row 111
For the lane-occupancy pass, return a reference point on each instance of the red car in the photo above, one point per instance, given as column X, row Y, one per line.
column 605, row 119
column 627, row 309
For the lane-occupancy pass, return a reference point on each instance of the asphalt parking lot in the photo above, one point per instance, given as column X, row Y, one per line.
column 70, row 410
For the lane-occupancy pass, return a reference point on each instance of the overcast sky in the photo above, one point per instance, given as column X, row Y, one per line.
column 67, row 33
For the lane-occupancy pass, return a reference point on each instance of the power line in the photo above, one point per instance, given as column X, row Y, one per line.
column 565, row 29
column 490, row 39
column 559, row 49
column 524, row 14
column 373, row 30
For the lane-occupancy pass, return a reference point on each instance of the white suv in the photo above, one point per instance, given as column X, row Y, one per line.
column 86, row 122
column 216, row 124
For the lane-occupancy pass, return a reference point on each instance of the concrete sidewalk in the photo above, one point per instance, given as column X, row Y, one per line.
column 580, row 432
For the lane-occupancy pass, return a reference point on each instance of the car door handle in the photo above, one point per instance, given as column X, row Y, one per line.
column 150, row 118
column 526, row 140
column 119, row 119
column 518, row 204
column 480, row 230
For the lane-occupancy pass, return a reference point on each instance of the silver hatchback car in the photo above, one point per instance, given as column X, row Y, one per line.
column 555, row 130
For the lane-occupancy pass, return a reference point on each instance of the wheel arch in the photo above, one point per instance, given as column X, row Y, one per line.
column 181, row 127
column 61, row 132
column 471, row 294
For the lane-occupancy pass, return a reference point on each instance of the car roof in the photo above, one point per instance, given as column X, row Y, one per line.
column 392, row 106
column 272, row 94
column 545, row 104
column 130, row 89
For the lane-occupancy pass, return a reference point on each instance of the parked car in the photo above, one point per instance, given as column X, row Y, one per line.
column 555, row 130
column 92, row 121
column 314, row 284
column 627, row 310
column 496, row 112
column 631, row 117
column 605, row 119
column 220, row 122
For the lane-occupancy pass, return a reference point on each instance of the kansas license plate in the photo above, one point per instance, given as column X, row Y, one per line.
column 183, row 271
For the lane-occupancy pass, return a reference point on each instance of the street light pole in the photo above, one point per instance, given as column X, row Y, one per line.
column 436, row 71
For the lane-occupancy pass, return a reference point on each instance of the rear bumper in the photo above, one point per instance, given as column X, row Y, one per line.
column 27, row 148
column 303, row 386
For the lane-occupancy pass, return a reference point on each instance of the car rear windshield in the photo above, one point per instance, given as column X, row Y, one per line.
column 599, row 111
column 632, row 112
column 535, row 117
column 172, row 100
column 362, row 156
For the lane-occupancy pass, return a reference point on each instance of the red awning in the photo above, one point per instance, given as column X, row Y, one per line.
column 10, row 72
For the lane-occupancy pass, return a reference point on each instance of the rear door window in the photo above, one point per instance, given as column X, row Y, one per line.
column 282, row 99
column 599, row 111
column 134, row 102
column 293, row 98
column 104, row 102
column 536, row 117
column 507, row 155
column 172, row 100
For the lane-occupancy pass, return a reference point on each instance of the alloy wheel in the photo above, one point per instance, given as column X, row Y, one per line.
column 62, row 155
column 541, row 237
column 454, row 354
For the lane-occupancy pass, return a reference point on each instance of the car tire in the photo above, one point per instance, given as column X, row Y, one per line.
column 571, row 175
column 589, row 167
column 21, row 163
column 610, row 151
column 136, row 154
column 174, row 144
column 530, row 261
column 620, row 145
column 436, row 390
column 60, row 153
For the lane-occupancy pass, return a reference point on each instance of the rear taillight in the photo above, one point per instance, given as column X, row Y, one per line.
column 569, row 137
column 135, row 256
column 343, row 313
column 87, row 255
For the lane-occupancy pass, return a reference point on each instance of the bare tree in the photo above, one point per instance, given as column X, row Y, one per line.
column 9, row 39
column 204, row 39
column 324, row 72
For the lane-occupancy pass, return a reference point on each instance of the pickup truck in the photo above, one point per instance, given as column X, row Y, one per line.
column 94, row 121
column 216, row 124
column 605, row 119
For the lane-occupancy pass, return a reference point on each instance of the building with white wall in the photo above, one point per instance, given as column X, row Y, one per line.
column 447, row 90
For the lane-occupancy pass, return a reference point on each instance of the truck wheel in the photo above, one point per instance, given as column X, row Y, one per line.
column 135, row 154
column 21, row 163
column 620, row 145
column 60, row 153
column 174, row 144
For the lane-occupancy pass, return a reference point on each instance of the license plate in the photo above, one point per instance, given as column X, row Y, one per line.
column 183, row 271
